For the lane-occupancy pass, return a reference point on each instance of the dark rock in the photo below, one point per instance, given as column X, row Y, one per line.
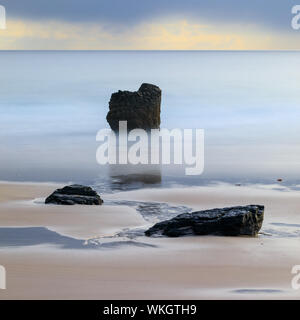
column 234, row 221
column 74, row 194
column 141, row 109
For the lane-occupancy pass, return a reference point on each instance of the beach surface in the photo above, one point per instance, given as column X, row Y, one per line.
column 42, row 247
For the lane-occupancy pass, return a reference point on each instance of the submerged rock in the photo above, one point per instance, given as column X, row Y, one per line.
column 141, row 109
column 234, row 221
column 75, row 194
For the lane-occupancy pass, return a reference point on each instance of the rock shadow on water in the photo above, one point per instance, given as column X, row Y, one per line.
column 132, row 177
column 33, row 236
column 134, row 181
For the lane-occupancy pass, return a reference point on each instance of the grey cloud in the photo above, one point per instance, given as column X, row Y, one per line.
column 274, row 14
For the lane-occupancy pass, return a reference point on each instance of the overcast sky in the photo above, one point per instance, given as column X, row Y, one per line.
column 155, row 24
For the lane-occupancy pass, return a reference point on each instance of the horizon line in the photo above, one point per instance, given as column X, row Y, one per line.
column 143, row 50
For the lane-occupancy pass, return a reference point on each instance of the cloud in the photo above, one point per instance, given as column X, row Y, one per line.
column 161, row 34
column 272, row 14
column 149, row 25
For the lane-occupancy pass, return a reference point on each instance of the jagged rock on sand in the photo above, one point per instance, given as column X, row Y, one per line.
column 141, row 109
column 75, row 194
column 233, row 221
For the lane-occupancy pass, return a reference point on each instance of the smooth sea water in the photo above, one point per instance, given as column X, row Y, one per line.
column 52, row 105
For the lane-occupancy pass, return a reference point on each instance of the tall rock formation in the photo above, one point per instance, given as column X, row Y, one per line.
column 141, row 109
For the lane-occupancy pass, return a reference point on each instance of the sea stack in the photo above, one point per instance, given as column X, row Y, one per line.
column 141, row 109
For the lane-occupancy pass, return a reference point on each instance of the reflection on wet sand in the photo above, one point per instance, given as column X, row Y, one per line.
column 132, row 175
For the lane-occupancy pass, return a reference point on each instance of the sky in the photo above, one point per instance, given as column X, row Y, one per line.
column 149, row 25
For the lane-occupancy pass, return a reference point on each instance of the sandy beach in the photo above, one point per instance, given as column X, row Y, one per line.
column 160, row 268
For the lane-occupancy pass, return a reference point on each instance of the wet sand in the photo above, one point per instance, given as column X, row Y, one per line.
column 182, row 268
column 81, row 222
